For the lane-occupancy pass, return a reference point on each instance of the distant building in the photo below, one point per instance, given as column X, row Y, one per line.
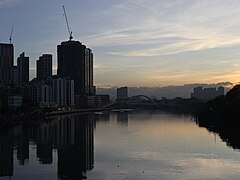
column 207, row 93
column 122, row 93
column 44, row 67
column 6, row 63
column 23, row 69
column 91, row 101
column 102, row 100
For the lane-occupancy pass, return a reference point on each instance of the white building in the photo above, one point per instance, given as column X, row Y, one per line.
column 63, row 90
column 38, row 91
column 55, row 90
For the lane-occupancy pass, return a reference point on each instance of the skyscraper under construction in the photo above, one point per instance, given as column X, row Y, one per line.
column 76, row 61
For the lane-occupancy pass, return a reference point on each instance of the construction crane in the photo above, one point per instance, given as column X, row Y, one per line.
column 69, row 31
column 10, row 38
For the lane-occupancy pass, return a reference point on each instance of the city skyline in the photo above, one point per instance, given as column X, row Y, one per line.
column 135, row 43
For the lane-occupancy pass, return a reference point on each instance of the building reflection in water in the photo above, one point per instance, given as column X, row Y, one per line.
column 103, row 117
column 71, row 136
column 75, row 147
column 6, row 154
column 22, row 144
column 122, row 118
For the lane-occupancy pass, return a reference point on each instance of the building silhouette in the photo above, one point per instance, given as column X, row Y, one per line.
column 55, row 91
column 44, row 66
column 63, row 90
column 23, row 69
column 207, row 93
column 76, row 61
column 38, row 91
column 122, row 93
column 90, row 90
column 6, row 63
column 15, row 75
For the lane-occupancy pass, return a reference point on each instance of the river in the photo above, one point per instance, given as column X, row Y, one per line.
column 125, row 145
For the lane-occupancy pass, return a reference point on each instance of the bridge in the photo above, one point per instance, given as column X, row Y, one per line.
column 134, row 101
column 140, row 100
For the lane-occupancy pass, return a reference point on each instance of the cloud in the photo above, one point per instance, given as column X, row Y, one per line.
column 163, row 28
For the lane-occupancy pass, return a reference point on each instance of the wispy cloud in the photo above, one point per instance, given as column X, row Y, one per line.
column 163, row 28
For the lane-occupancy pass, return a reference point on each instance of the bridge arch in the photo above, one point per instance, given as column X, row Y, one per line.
column 141, row 99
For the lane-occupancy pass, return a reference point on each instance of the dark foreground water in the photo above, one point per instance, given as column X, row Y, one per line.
column 117, row 145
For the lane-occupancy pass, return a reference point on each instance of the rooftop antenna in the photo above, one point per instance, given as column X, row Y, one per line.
column 69, row 31
column 10, row 38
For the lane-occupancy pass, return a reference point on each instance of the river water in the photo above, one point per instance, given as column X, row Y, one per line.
column 117, row 145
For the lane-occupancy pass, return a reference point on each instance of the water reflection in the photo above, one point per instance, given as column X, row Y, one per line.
column 6, row 157
column 122, row 118
column 127, row 144
column 22, row 141
column 103, row 117
column 72, row 137
column 228, row 134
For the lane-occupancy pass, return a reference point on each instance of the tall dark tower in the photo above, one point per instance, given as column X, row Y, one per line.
column 23, row 69
column 6, row 63
column 44, row 66
column 89, row 71
column 71, row 63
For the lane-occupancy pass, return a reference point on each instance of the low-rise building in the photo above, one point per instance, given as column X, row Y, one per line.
column 63, row 90
column 38, row 91
column 102, row 100
column 55, row 90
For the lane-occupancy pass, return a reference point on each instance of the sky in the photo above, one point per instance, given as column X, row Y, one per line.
column 150, row 43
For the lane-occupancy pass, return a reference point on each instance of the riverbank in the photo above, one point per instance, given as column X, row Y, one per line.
column 35, row 115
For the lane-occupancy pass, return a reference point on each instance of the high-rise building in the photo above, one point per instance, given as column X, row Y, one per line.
column 6, row 63
column 15, row 75
column 44, row 67
column 71, row 63
column 87, row 71
column 90, row 77
column 76, row 61
column 23, row 69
